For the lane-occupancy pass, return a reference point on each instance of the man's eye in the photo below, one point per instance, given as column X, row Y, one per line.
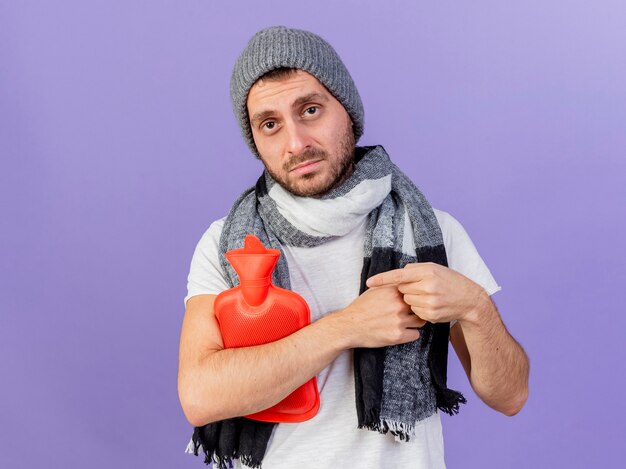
column 310, row 110
column 269, row 125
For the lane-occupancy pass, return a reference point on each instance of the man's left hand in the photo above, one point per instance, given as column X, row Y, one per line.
column 434, row 292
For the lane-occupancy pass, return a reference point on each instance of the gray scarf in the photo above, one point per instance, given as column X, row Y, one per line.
column 396, row 386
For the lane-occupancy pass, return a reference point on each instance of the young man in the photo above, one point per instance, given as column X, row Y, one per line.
column 384, row 274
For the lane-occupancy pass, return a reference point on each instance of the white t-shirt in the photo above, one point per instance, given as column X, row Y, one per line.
column 327, row 277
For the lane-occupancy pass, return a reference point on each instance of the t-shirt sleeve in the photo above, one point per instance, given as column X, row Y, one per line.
column 462, row 254
column 206, row 276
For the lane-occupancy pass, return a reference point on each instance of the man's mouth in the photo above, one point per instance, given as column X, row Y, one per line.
column 305, row 166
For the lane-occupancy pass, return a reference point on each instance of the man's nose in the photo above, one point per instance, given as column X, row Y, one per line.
column 298, row 138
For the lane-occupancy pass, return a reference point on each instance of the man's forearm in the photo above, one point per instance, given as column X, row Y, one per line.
column 240, row 381
column 499, row 366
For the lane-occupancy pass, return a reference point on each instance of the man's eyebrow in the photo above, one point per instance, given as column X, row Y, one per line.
column 314, row 96
column 260, row 117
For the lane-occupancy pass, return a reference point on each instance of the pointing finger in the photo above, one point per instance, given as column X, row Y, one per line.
column 396, row 276
column 385, row 278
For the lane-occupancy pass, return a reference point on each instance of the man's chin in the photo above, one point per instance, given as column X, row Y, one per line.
column 313, row 192
column 307, row 188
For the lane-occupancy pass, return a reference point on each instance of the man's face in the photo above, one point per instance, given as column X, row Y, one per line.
column 302, row 133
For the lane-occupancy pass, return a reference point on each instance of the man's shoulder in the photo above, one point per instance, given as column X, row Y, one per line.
column 447, row 222
column 440, row 214
column 211, row 237
column 215, row 228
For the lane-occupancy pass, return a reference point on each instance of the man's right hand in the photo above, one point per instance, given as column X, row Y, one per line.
column 378, row 317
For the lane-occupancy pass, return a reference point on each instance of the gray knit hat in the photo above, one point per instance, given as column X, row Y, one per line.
column 278, row 47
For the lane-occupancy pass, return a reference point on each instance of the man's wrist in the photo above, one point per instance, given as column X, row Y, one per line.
column 336, row 329
column 482, row 313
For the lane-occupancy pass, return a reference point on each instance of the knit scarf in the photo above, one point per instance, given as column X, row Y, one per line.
column 396, row 386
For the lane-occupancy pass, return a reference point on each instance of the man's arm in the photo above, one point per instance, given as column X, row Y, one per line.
column 215, row 383
column 495, row 363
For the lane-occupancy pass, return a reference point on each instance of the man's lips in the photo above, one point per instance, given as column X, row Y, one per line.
column 305, row 166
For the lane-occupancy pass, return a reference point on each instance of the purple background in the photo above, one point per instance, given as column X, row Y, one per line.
column 118, row 148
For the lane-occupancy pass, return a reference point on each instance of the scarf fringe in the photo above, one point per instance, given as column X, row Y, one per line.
column 222, row 463
column 374, row 427
column 250, row 462
column 402, row 431
column 191, row 448
column 448, row 401
column 194, row 447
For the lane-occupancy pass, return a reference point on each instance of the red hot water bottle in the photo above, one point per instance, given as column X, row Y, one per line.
column 257, row 312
